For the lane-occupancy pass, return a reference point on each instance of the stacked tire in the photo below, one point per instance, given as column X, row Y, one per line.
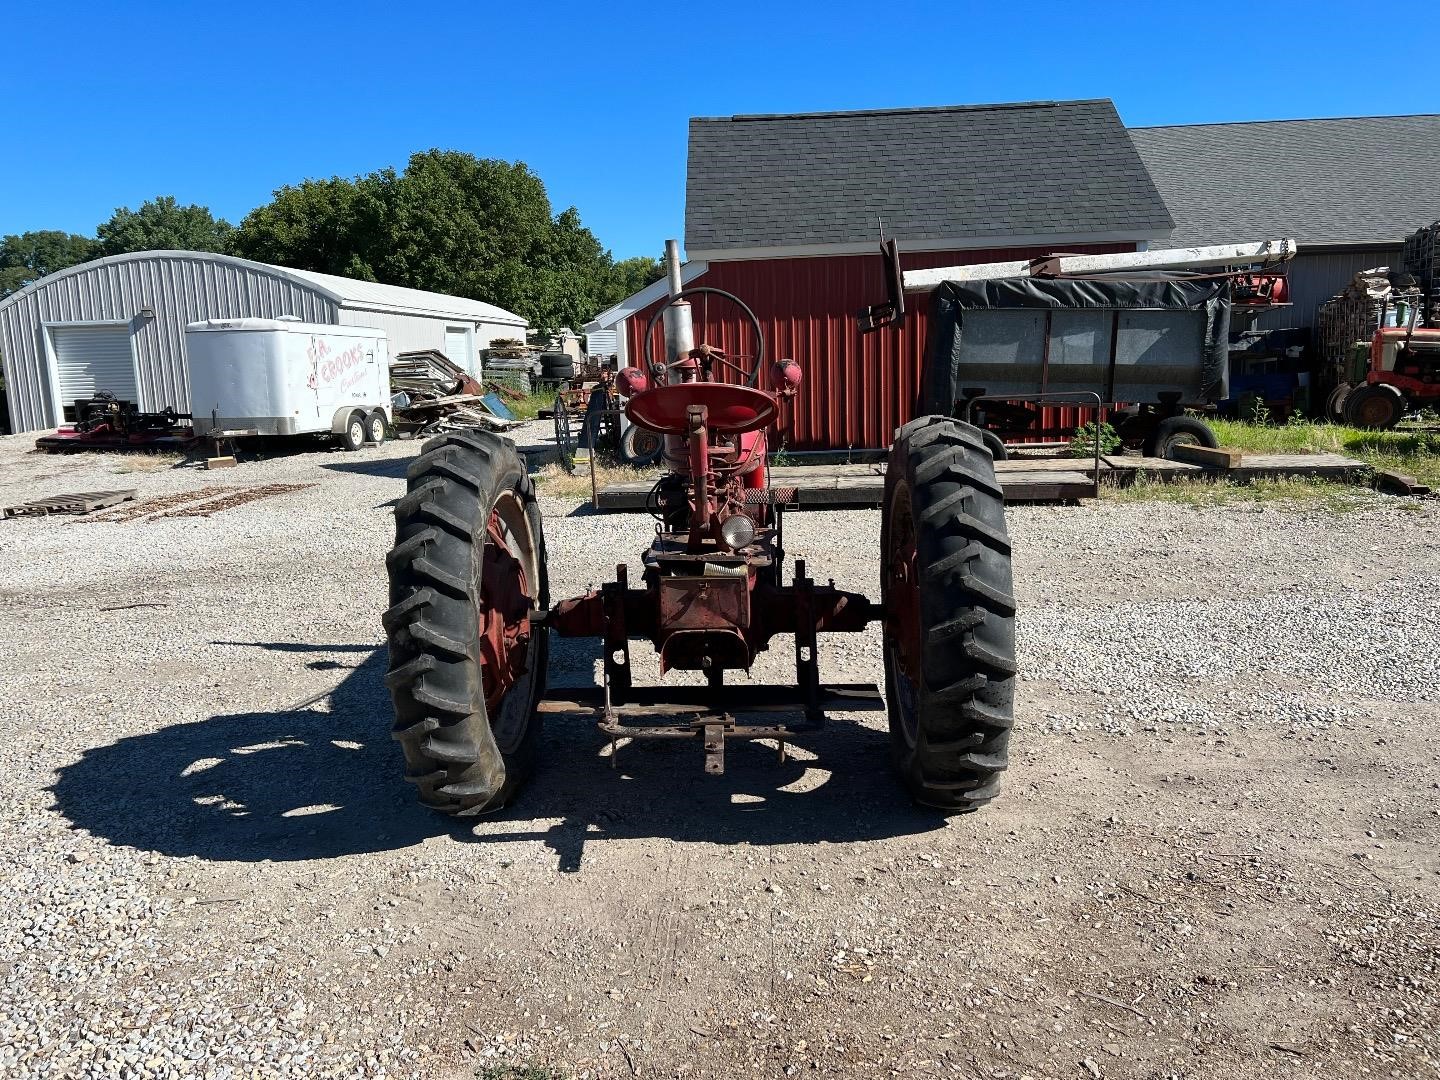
column 557, row 366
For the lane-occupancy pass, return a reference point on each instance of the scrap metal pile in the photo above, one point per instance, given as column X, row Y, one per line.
column 431, row 394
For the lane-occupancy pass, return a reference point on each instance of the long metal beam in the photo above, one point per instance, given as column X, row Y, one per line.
column 1263, row 252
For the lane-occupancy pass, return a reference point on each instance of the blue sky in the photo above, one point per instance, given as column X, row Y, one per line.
column 110, row 104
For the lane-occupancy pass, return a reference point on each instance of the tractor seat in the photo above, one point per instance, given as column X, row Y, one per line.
column 729, row 409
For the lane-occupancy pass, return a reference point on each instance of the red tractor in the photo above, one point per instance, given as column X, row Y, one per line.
column 470, row 617
column 1404, row 375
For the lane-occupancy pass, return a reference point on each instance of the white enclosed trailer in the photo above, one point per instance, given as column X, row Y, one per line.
column 286, row 377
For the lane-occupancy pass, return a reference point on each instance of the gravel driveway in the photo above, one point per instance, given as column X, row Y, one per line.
column 1216, row 854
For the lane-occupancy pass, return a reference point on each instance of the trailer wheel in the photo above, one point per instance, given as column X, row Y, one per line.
column 376, row 426
column 950, row 615
column 1375, row 406
column 354, row 434
column 1178, row 430
column 467, row 668
column 1133, row 427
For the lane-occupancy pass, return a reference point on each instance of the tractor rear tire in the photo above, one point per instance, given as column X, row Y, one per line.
column 1375, row 406
column 950, row 615
column 469, row 557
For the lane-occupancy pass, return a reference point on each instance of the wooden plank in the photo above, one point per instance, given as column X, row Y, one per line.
column 1033, row 480
column 1214, row 457
column 1331, row 466
column 1398, row 483
column 1046, row 486
column 1052, row 464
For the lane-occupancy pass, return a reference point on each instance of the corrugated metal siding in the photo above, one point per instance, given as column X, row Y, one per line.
column 1316, row 277
column 858, row 388
column 405, row 332
column 179, row 288
column 602, row 342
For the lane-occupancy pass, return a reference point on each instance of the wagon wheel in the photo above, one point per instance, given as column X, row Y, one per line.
column 564, row 438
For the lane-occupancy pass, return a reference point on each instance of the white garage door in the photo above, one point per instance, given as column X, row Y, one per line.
column 92, row 358
column 457, row 347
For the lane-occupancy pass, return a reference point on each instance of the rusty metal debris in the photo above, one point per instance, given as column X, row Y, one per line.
column 229, row 502
column 200, row 502
column 131, row 511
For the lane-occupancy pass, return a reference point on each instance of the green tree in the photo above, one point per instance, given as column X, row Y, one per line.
column 451, row 223
column 163, row 225
column 332, row 226
column 30, row 256
column 633, row 274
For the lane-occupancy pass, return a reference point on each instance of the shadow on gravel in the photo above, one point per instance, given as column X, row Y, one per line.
column 391, row 467
column 304, row 784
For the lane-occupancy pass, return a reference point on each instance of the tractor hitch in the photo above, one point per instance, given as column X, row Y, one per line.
column 711, row 714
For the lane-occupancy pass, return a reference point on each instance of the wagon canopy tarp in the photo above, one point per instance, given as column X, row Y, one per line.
column 1128, row 339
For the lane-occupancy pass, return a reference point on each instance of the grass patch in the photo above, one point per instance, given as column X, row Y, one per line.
column 128, row 461
column 1289, row 493
column 1414, row 452
column 528, row 407
column 554, row 481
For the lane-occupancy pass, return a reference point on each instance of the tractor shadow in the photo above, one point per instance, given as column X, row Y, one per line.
column 306, row 783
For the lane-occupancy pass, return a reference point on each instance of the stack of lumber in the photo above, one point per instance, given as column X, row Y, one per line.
column 431, row 394
column 1354, row 314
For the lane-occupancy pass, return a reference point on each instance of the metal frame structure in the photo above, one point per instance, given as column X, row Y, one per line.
column 713, row 595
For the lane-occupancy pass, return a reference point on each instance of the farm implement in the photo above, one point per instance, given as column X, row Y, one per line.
column 471, row 619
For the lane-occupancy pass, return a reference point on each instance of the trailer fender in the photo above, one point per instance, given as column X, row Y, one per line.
column 342, row 415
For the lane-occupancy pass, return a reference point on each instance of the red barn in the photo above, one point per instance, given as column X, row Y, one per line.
column 785, row 212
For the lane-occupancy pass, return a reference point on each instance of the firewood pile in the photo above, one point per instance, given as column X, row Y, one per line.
column 430, row 394
column 1354, row 314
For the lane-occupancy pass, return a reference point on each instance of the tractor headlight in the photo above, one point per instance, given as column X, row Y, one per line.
column 737, row 530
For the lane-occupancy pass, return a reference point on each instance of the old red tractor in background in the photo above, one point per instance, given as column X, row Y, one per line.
column 1403, row 376
column 470, row 616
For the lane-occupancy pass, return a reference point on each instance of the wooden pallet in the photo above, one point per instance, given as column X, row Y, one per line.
column 81, row 502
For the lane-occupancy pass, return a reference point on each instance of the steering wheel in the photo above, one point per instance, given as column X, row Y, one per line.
column 754, row 376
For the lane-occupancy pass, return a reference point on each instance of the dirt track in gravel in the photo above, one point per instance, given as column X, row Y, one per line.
column 1207, row 862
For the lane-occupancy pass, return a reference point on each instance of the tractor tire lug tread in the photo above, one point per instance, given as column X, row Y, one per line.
column 435, row 680
column 964, row 706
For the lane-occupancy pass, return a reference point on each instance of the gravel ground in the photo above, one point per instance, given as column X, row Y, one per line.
column 1215, row 856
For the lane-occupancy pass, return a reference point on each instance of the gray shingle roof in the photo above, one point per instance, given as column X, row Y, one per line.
column 1365, row 180
column 1018, row 170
